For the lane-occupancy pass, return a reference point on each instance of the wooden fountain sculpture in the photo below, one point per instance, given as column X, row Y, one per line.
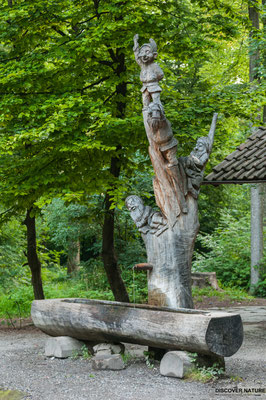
column 169, row 234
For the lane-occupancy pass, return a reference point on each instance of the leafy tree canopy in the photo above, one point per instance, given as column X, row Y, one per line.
column 67, row 69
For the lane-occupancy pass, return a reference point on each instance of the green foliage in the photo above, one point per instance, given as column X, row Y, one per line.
column 234, row 293
column 66, row 223
column 229, row 251
column 16, row 302
column 127, row 357
column 149, row 358
column 260, row 288
column 205, row 374
column 89, row 282
column 12, row 257
column 65, row 78
column 85, row 353
column 67, row 71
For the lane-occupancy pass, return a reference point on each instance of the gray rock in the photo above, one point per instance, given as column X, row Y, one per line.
column 62, row 347
column 108, row 362
column 102, row 349
column 175, row 364
column 135, row 351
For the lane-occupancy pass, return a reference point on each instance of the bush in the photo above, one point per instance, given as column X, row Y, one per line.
column 229, row 252
column 260, row 288
column 16, row 302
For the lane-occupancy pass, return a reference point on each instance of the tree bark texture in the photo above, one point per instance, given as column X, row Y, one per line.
column 73, row 258
column 170, row 242
column 94, row 320
column 257, row 197
column 256, row 190
column 108, row 249
column 32, row 257
column 169, row 282
column 254, row 53
column 109, row 257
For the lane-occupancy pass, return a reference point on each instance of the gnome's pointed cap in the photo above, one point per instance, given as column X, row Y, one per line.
column 152, row 45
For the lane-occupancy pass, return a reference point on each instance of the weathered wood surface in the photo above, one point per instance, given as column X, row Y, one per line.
column 94, row 320
column 170, row 234
column 169, row 283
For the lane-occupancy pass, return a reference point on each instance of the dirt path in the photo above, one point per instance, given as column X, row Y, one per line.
column 24, row 367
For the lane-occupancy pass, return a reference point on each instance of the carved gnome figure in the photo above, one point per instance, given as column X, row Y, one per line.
column 150, row 73
column 194, row 165
column 146, row 219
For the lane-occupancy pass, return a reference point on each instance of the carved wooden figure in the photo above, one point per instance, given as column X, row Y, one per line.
column 169, row 235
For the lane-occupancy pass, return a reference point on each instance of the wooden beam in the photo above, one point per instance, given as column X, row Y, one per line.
column 236, row 182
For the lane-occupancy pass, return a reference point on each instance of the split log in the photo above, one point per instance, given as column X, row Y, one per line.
column 203, row 332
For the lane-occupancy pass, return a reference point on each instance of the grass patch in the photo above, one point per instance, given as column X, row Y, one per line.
column 234, row 294
column 16, row 299
column 204, row 374
column 17, row 303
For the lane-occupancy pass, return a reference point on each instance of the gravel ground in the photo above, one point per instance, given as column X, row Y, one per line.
column 24, row 367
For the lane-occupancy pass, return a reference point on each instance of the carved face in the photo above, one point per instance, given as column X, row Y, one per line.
column 136, row 207
column 200, row 148
column 146, row 54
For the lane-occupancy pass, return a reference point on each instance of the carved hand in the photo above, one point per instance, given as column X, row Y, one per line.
column 136, row 44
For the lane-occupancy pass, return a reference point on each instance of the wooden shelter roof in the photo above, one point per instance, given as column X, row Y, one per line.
column 247, row 164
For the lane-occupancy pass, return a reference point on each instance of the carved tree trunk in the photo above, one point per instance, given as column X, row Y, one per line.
column 170, row 234
column 169, row 282
column 32, row 256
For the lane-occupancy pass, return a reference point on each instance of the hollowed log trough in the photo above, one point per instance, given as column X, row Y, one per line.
column 198, row 331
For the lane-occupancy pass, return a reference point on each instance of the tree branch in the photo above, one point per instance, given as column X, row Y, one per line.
column 95, row 16
column 95, row 83
column 103, row 62
column 59, row 31
column 112, row 54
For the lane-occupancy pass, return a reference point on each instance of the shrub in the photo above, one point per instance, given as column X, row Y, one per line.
column 229, row 252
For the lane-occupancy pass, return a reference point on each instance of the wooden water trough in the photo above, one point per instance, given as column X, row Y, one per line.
column 198, row 331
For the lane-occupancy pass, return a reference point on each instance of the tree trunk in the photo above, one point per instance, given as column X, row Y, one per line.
column 254, row 55
column 264, row 27
column 170, row 236
column 170, row 253
column 73, row 259
column 32, row 256
column 108, row 250
column 256, row 233
column 256, row 190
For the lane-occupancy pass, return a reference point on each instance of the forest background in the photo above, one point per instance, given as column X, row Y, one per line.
column 73, row 145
